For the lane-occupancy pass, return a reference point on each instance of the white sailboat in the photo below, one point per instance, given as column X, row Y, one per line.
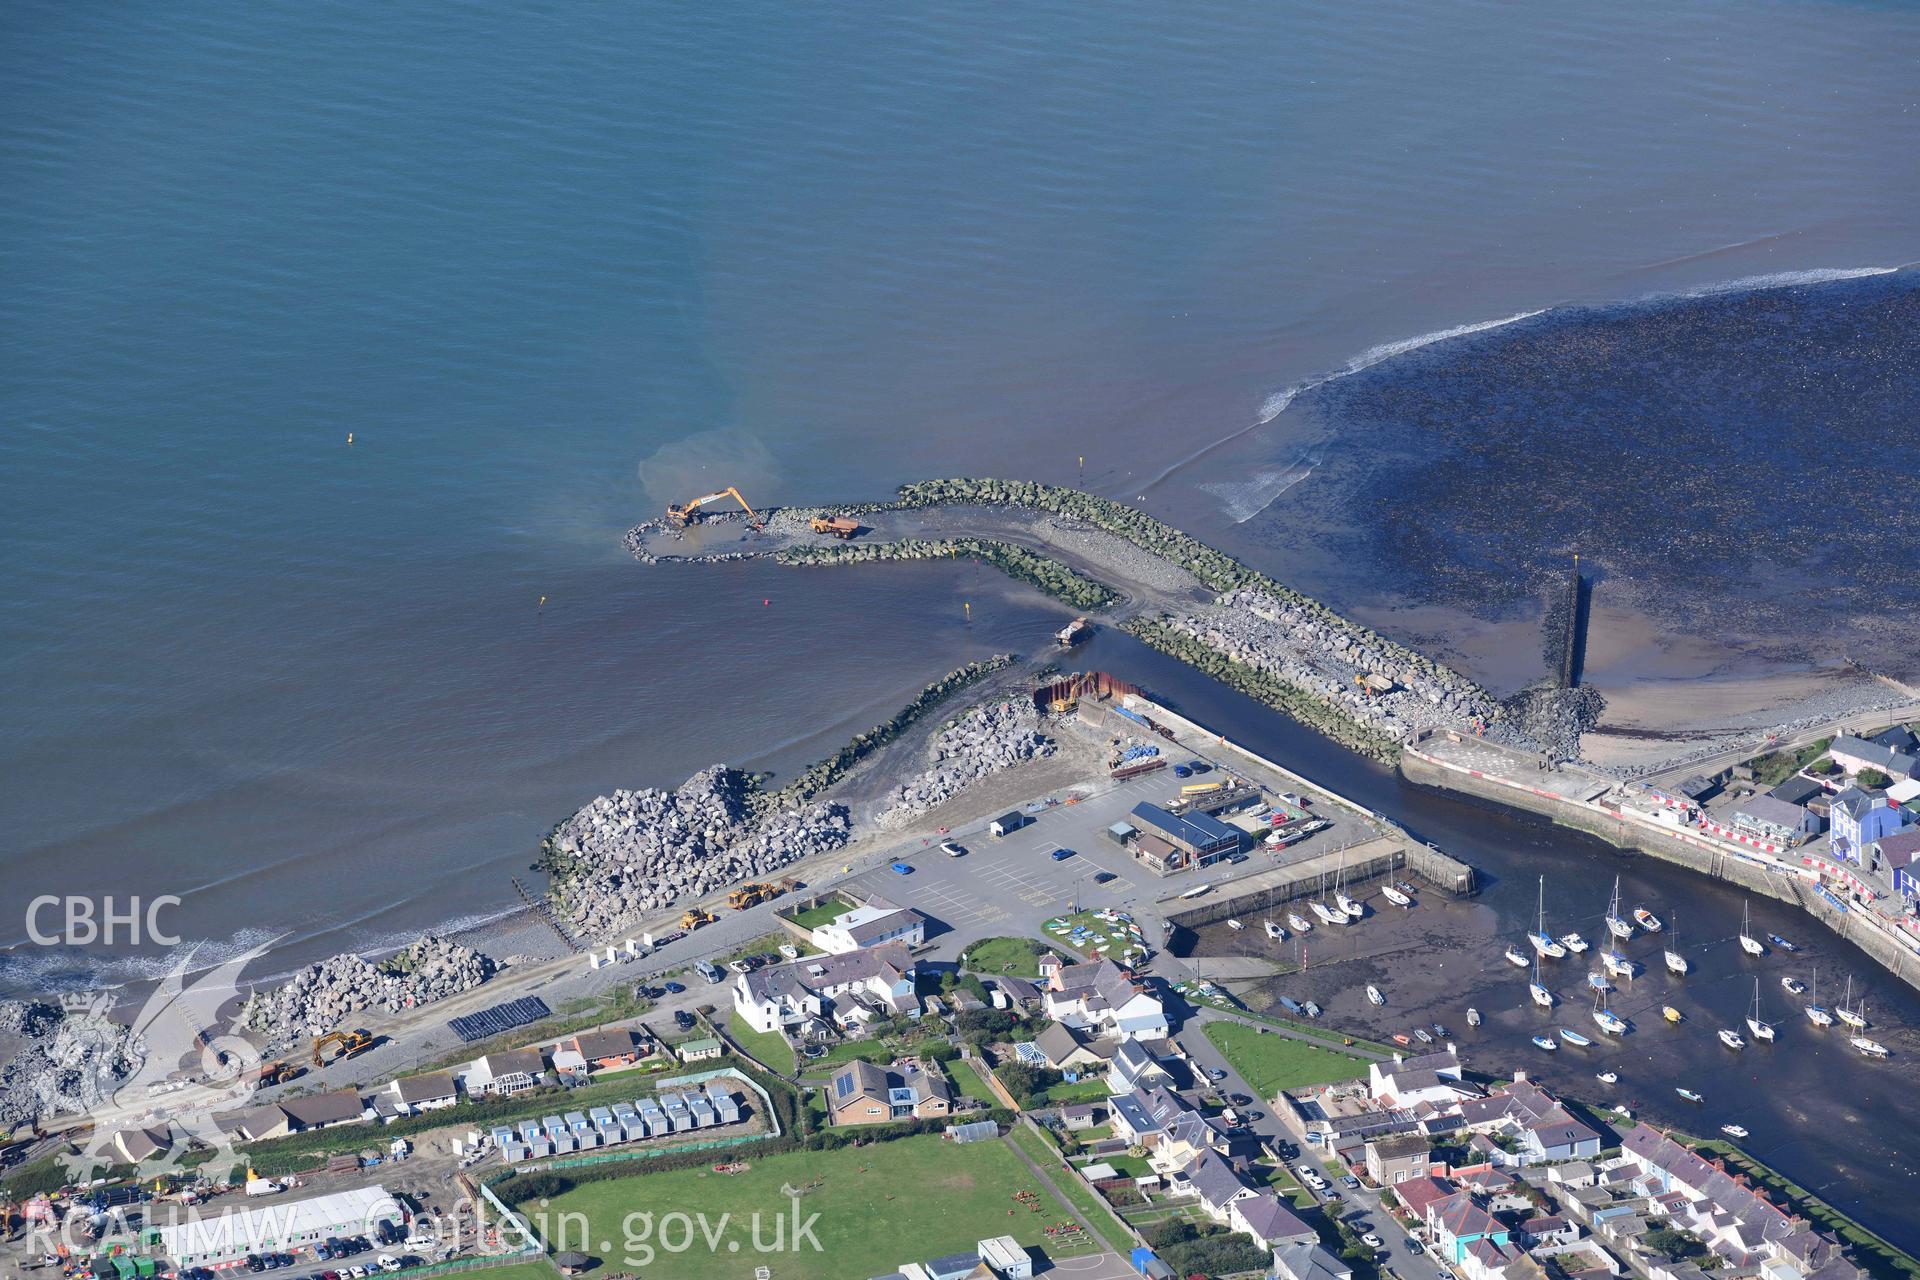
column 1373, row 995
column 1327, row 914
column 1816, row 1012
column 1748, row 943
column 1541, row 996
column 1853, row 1015
column 1607, row 1020
column 1342, row 901
column 1676, row 963
column 1516, row 957
column 1274, row 931
column 1299, row 922
column 1617, row 964
column 1618, row 925
column 1871, row 1048
column 1732, row 1039
column 1395, row 895
column 1543, row 942
column 1762, row 1029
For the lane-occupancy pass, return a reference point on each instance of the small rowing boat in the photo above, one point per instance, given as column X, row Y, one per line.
column 1423, row 1035
column 1473, row 1017
column 1670, row 1013
column 1648, row 921
column 1574, row 1037
column 1607, row 1077
column 1688, row 1094
column 1235, row 925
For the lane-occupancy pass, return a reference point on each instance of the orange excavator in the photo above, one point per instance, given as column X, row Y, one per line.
column 689, row 513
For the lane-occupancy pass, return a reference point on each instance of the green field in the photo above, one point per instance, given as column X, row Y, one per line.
column 1097, row 1212
column 1012, row 956
column 967, row 1080
column 1085, row 1090
column 537, row 1269
column 1271, row 1063
column 879, row 1206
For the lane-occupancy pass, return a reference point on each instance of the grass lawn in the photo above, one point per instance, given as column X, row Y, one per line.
column 769, row 1046
column 1064, row 1094
column 534, row 1269
column 932, row 1196
column 1012, row 956
column 1098, row 1213
column 966, row 1078
column 1271, row 1063
column 814, row 917
column 767, row 944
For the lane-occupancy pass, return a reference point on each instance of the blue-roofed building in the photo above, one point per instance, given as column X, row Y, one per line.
column 1194, row 839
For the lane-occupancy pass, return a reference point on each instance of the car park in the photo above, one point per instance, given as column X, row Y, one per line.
column 951, row 849
column 1104, row 877
column 252, row 1262
column 683, row 1019
column 1061, row 855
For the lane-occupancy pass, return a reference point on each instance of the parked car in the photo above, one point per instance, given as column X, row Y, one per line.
column 1239, row 1099
column 683, row 1019
column 951, row 849
column 1104, row 877
column 902, row 869
column 1061, row 855
column 1414, row 1245
column 1182, row 771
column 1216, row 1074
column 674, row 988
column 253, row 1262
column 1373, row 1241
column 1199, row 766
column 1350, row 1182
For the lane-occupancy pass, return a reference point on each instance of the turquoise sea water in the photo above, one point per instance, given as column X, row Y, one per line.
column 553, row 267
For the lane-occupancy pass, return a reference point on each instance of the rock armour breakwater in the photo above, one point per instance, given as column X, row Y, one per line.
column 985, row 740
column 1050, row 576
column 319, row 997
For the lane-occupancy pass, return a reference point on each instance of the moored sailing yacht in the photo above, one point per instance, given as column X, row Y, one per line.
column 1816, row 1012
column 1541, row 996
column 1543, row 942
column 1762, row 1029
column 1853, row 1015
column 1327, row 914
column 1732, row 1039
column 1516, row 957
column 1676, row 963
column 1617, row 964
column 1748, row 943
column 1395, row 896
column 1299, row 922
column 1607, row 1020
column 1274, row 931
column 1617, row 925
column 1872, row 1048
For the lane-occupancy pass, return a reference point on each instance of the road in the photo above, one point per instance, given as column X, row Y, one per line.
column 1851, row 722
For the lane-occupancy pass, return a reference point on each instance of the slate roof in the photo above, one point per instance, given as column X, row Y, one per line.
column 1901, row 850
column 1458, row 1215
column 1302, row 1260
column 1214, row 1179
column 799, row 978
column 1272, row 1220
column 324, row 1108
column 424, row 1088
column 1767, row 810
column 604, row 1044
column 1797, row 790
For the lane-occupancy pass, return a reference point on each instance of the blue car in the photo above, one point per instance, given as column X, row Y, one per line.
column 1061, row 855
column 902, row 869
column 1181, row 771
column 675, row 988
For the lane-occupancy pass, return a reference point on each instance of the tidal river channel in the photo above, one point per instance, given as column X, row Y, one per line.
column 1830, row 1120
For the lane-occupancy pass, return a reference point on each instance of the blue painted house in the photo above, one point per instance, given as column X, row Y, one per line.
column 1457, row 1222
column 1859, row 819
column 1897, row 857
